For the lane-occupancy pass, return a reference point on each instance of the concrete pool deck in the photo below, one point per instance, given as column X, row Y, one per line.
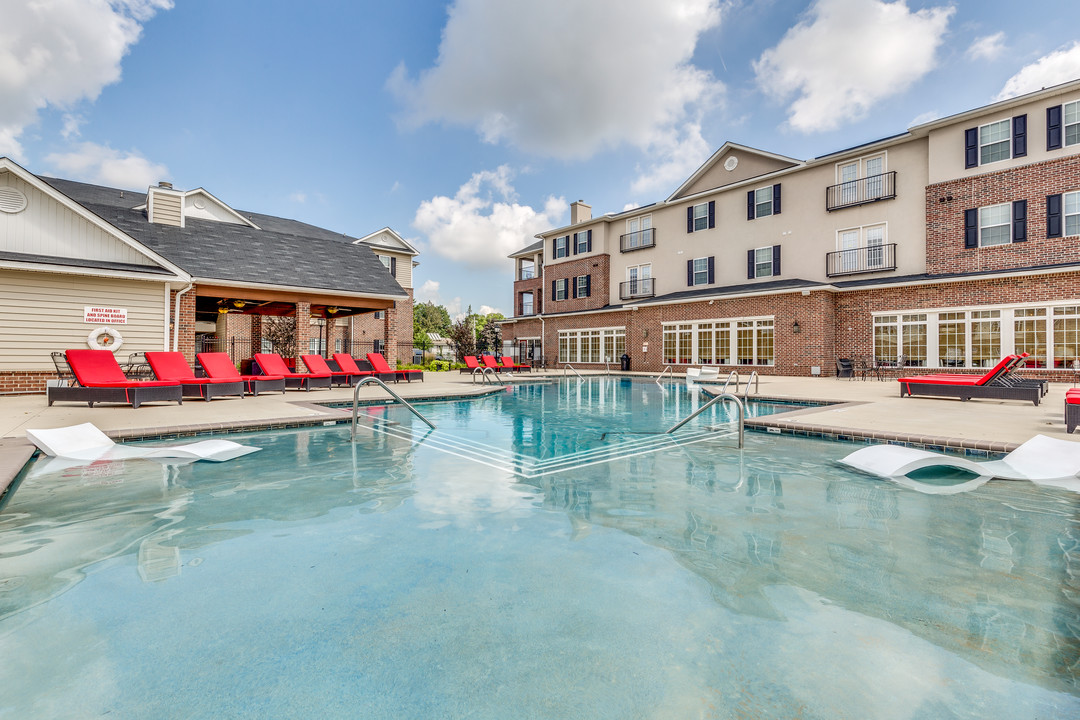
column 869, row 409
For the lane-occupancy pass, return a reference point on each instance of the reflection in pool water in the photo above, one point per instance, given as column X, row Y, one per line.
column 391, row 578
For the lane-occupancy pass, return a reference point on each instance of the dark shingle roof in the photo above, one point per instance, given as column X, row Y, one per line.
column 281, row 252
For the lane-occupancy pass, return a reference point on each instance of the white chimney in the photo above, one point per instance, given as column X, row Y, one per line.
column 164, row 205
column 580, row 212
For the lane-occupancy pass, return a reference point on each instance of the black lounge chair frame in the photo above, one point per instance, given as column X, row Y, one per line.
column 1072, row 416
column 255, row 385
column 134, row 396
column 1031, row 393
column 209, row 391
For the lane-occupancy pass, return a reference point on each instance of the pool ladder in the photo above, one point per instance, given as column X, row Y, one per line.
column 403, row 401
column 571, row 367
column 484, row 372
column 667, row 370
column 725, row 396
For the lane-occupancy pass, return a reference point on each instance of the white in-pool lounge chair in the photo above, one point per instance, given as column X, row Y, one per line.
column 1042, row 460
column 86, row 443
column 705, row 373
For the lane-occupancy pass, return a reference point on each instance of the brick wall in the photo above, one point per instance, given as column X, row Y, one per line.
column 183, row 327
column 945, row 251
column 536, row 287
column 598, row 266
column 18, row 381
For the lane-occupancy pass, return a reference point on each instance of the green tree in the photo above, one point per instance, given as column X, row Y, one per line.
column 462, row 336
column 429, row 317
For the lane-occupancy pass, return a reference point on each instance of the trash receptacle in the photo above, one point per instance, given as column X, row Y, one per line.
column 625, row 362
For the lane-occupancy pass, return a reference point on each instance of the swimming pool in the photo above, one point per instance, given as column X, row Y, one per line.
column 400, row 577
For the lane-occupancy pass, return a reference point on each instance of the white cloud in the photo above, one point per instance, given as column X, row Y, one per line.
column 428, row 292
column 488, row 310
column 564, row 78
column 71, row 126
column 885, row 49
column 298, row 197
column 1053, row 69
column 987, row 48
column 475, row 228
column 678, row 158
column 56, row 54
column 928, row 116
column 102, row 165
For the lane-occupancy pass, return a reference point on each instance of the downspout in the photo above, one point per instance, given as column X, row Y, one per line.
column 165, row 320
column 176, row 316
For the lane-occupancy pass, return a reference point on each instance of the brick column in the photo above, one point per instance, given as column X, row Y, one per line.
column 390, row 325
column 304, row 331
column 256, row 335
column 183, row 327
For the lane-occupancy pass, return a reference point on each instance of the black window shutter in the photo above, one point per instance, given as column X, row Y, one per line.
column 573, row 281
column 712, row 214
column 712, row 270
column 573, row 242
column 690, row 273
column 1020, row 221
column 1019, row 136
column 393, row 266
column 750, row 205
column 555, row 248
column 971, row 228
column 749, row 264
column 776, row 199
column 588, row 284
column 776, row 258
column 1053, row 216
column 971, row 149
column 554, row 290
column 1053, row 127
column 690, row 219
column 588, row 242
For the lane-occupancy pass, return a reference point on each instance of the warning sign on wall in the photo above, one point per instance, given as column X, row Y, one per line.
column 104, row 315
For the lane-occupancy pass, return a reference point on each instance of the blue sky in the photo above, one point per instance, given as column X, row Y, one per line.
column 470, row 126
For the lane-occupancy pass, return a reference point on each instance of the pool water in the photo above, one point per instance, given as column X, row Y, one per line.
column 399, row 577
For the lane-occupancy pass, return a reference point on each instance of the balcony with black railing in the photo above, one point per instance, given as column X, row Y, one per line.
column 861, row 191
column 638, row 240
column 874, row 258
column 633, row 289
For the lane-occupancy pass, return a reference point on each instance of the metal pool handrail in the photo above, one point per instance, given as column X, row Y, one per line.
column 665, row 370
column 706, row 406
column 752, row 379
column 568, row 365
column 484, row 374
column 729, row 376
column 403, row 401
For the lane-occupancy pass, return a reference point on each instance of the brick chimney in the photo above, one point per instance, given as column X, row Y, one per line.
column 580, row 212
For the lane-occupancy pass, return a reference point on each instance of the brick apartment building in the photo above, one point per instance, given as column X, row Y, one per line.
column 945, row 246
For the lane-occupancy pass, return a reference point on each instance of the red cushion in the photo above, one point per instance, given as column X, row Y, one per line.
column 170, row 366
column 378, row 362
column 346, row 363
column 273, row 364
column 942, row 380
column 94, row 367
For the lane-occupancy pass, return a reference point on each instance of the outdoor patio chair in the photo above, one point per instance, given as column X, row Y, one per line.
column 346, row 362
column 380, row 366
column 317, row 364
column 101, row 380
column 172, row 366
column 470, row 364
column 1072, row 409
column 509, row 364
column 63, row 370
column 845, row 368
column 489, row 362
column 219, row 365
column 272, row 364
column 993, row 385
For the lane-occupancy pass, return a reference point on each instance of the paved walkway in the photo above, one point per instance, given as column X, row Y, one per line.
column 867, row 408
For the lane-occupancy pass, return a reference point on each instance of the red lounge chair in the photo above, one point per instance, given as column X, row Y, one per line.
column 470, row 364
column 218, row 365
column 995, row 384
column 509, row 364
column 101, row 380
column 378, row 362
column 272, row 364
column 172, row 366
column 317, row 364
column 1072, row 409
column 346, row 362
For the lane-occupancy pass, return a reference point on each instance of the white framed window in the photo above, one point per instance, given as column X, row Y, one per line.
column 1071, row 113
column 763, row 202
column 581, row 286
column 730, row 341
column 592, row 346
column 995, row 225
column 701, row 216
column 385, row 260
column 581, row 242
column 701, row 271
column 861, row 248
column 561, row 289
column 379, row 314
column 763, row 265
column 994, row 141
column 1071, row 205
column 562, row 246
column 526, row 303
column 638, row 233
column 861, row 180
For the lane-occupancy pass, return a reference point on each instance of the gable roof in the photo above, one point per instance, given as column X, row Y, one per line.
column 726, row 148
column 272, row 251
column 387, row 239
